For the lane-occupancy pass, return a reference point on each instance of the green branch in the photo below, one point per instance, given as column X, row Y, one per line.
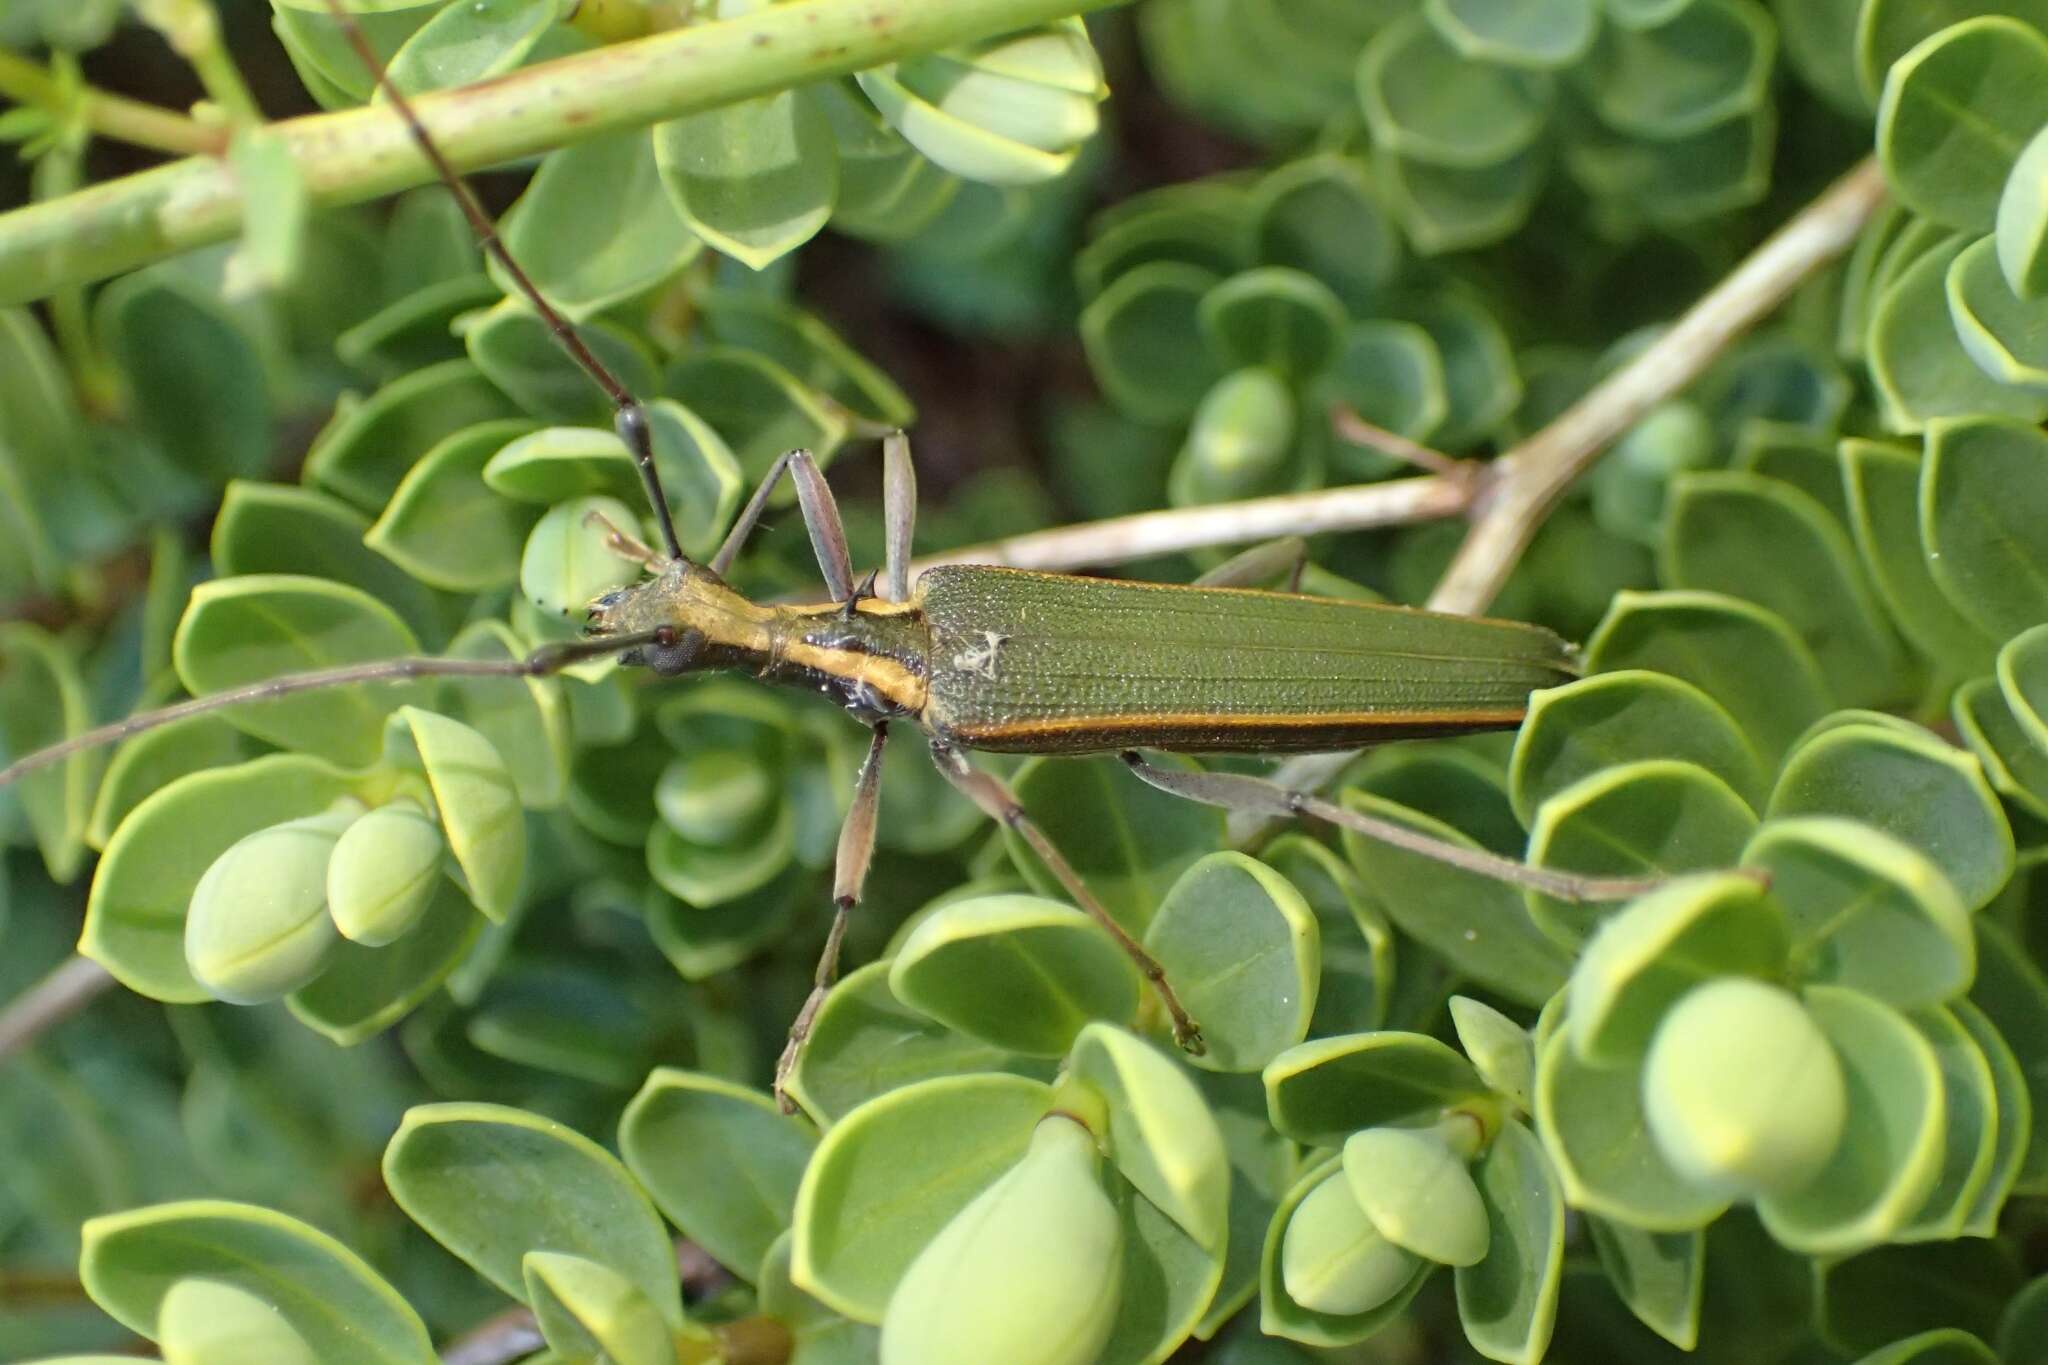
column 363, row 153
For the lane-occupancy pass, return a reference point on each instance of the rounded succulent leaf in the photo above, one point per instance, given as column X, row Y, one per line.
column 383, row 873
column 1322, row 1091
column 1743, row 1092
column 1334, row 1260
column 1029, row 1271
column 1239, row 439
column 202, row 1320
column 1957, row 112
column 2022, row 221
column 1418, row 1193
column 258, row 926
column 567, row 563
column 1281, row 1314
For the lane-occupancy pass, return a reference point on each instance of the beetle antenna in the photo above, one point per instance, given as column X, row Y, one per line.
column 629, row 418
column 545, row 660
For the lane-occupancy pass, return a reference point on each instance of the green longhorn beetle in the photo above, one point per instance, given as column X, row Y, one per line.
column 1007, row 660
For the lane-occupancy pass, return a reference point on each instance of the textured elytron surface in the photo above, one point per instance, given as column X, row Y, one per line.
column 1041, row 662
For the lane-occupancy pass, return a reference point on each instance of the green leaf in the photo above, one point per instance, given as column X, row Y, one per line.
column 1657, row 1274
column 1274, row 317
column 1920, row 366
column 1454, row 208
column 1499, row 1048
column 1162, row 1136
column 2001, row 333
column 1595, row 1128
column 1262, row 1165
column 202, row 1320
column 525, row 719
column 363, row 454
column 323, row 1291
column 1415, row 1188
column 2022, row 222
column 1762, row 540
column 1169, row 1282
column 1645, row 959
column 1020, row 973
column 1602, row 722
column 1970, row 1140
column 702, row 941
column 195, row 382
column 1243, row 952
column 1631, row 486
column 757, row 407
column 1241, row 441
column 1480, row 378
column 1478, row 924
column 479, row 807
column 1320, row 215
column 1136, row 332
column 755, row 179
column 155, row 759
column 417, row 331
column 586, row 1310
column 1128, row 843
column 2011, row 1121
column 1709, row 63
column 43, row 700
column 1423, row 100
column 568, row 562
column 1875, row 1182
column 468, row 43
column 1281, row 1315
column 2013, row 994
column 1955, row 114
column 865, row 1042
column 1652, row 818
column 1866, row 911
column 492, row 1184
column 1870, row 1302
column 1550, row 34
column 364, row 990
column 888, row 1176
column 1883, row 487
column 444, row 526
column 1742, row 656
column 258, row 925
column 811, row 351
column 1508, row 1302
column 1357, row 942
column 585, row 262
column 1887, row 30
column 135, row 918
column 266, row 528
column 250, row 629
column 1909, row 785
column 821, row 1336
column 1389, row 373
column 1983, row 490
column 720, row 1161
column 517, row 351
column 1322, row 1091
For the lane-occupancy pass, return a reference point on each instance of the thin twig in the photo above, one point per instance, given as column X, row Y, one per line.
column 68, row 988
column 1118, row 540
column 1528, row 481
column 1349, row 426
column 109, row 115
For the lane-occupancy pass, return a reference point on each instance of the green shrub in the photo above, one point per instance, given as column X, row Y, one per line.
column 537, row 940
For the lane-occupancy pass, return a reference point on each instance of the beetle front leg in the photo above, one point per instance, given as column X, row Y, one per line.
column 999, row 803
column 899, row 515
column 850, row 872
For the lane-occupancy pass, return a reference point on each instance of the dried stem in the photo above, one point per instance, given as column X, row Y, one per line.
column 1526, row 482
column 70, row 987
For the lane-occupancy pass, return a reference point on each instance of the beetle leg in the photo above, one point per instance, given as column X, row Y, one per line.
column 899, row 515
column 1257, row 796
column 821, row 519
column 850, row 870
column 999, row 803
column 1282, row 559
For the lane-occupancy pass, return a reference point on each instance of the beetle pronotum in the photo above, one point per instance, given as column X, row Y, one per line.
column 1007, row 660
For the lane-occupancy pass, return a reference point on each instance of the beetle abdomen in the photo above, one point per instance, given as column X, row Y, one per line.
column 1044, row 663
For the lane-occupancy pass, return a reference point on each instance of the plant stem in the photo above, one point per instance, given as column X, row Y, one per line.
column 70, row 986
column 361, row 153
column 1511, row 494
column 1525, row 483
column 110, row 115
